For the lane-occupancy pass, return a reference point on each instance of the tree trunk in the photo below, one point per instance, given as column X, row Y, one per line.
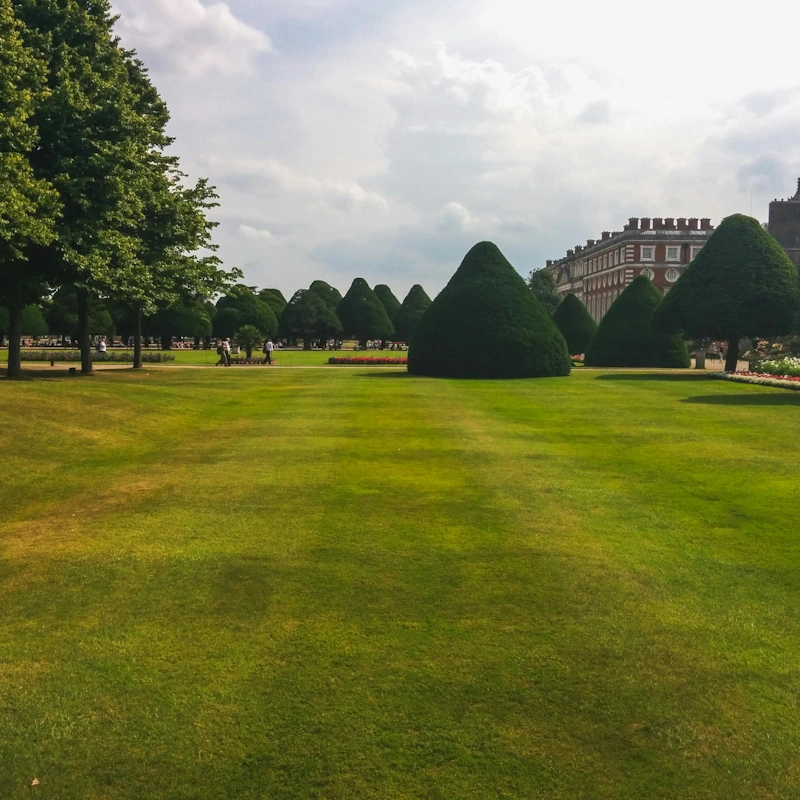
column 306, row 343
column 166, row 342
column 15, row 337
column 732, row 356
column 248, row 349
column 83, row 331
column 137, row 338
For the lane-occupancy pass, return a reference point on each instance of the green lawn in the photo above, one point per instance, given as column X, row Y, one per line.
column 353, row 583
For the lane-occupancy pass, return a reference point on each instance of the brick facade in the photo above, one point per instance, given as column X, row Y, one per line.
column 660, row 247
column 784, row 224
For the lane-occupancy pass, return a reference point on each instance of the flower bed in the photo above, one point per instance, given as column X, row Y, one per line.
column 367, row 362
column 785, row 366
column 577, row 360
column 109, row 355
column 762, row 379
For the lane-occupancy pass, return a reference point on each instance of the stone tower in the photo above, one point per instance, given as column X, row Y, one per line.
column 784, row 224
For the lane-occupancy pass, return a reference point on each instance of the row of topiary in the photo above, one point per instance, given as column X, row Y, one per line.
column 487, row 323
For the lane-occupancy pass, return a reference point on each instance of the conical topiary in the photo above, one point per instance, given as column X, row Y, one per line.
column 486, row 323
column 362, row 314
column 411, row 312
column 389, row 301
column 576, row 324
column 741, row 284
column 331, row 295
column 625, row 336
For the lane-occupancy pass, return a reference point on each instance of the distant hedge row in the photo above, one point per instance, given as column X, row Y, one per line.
column 75, row 356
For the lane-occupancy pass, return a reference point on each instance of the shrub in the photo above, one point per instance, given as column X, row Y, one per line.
column 486, row 323
column 366, row 361
column 575, row 323
column 783, row 366
column 626, row 338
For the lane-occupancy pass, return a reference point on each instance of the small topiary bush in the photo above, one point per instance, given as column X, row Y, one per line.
column 411, row 312
column 626, row 338
column 576, row 324
column 486, row 323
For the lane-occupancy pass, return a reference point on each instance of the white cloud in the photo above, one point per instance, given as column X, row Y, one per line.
column 346, row 195
column 192, row 38
column 260, row 234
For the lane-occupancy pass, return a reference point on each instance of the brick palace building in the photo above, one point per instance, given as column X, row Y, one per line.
column 659, row 247
column 784, row 224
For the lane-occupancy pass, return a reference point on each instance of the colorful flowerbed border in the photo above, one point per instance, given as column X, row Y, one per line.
column 367, row 362
column 761, row 379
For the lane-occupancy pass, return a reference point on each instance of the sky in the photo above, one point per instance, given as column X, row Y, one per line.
column 355, row 138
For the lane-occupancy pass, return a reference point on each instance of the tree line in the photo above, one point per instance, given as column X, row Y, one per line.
column 92, row 206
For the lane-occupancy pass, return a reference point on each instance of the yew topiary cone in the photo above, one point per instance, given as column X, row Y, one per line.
column 486, row 323
column 576, row 324
column 625, row 336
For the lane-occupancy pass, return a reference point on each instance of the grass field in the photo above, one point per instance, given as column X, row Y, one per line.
column 359, row 584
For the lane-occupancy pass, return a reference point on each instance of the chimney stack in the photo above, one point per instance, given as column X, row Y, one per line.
column 549, row 262
column 692, row 223
column 682, row 224
column 578, row 248
column 606, row 235
column 645, row 223
column 570, row 253
column 590, row 242
column 705, row 224
column 633, row 224
column 658, row 223
column 669, row 224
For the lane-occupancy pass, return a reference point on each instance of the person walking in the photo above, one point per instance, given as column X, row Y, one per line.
column 268, row 348
column 226, row 352
column 221, row 354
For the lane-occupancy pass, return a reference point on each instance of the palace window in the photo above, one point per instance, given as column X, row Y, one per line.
column 648, row 273
column 647, row 253
column 672, row 274
column 673, row 254
column 695, row 251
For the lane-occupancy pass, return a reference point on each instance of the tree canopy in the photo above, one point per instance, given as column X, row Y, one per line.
column 626, row 336
column 543, row 285
column 241, row 306
column 576, row 324
column 362, row 314
column 486, row 323
column 307, row 317
column 274, row 299
column 414, row 306
column 741, row 284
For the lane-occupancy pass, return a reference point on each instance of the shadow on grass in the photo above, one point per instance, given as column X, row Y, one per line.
column 788, row 399
column 654, row 376
column 395, row 373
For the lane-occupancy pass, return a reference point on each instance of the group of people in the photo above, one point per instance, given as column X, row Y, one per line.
column 224, row 352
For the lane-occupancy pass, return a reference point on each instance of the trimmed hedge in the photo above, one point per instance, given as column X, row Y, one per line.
column 576, row 324
column 411, row 312
column 486, row 323
column 388, row 300
column 626, row 338
column 109, row 355
column 362, row 314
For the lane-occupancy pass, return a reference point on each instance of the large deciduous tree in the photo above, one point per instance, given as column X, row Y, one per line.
column 543, row 285
column 363, row 315
column 307, row 317
column 28, row 203
column 99, row 125
column 741, row 284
